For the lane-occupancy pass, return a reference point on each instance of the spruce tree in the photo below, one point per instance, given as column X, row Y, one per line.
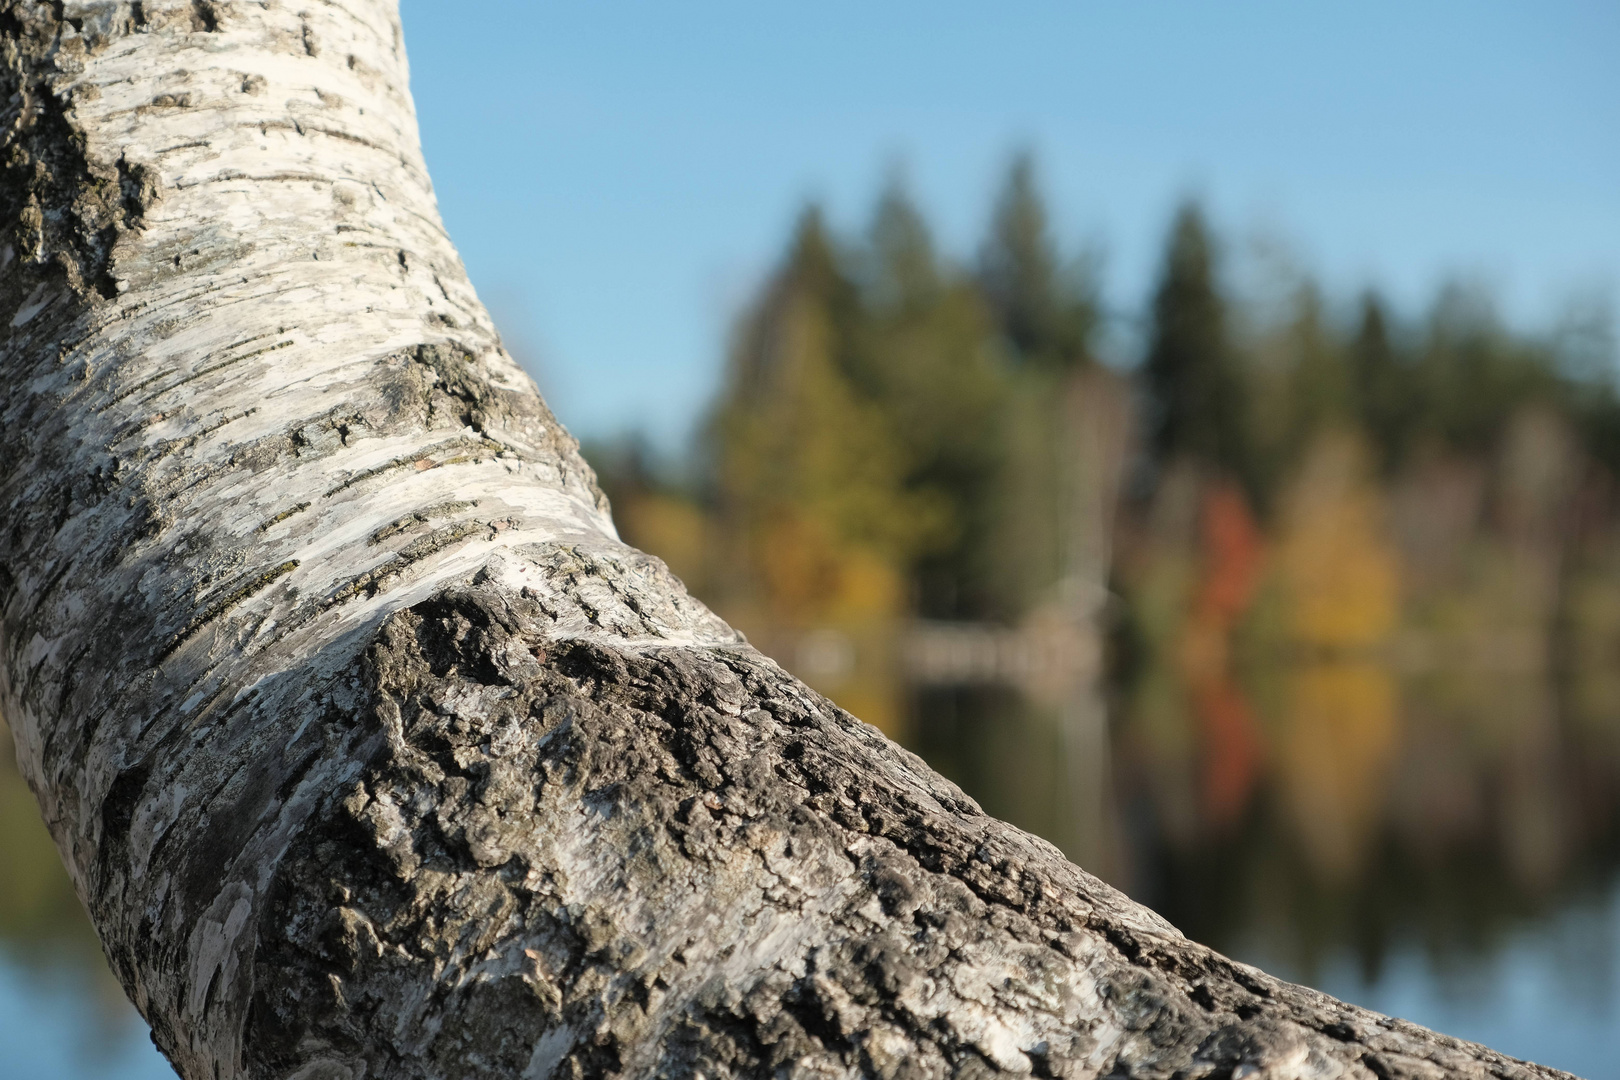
column 1044, row 309
column 1383, row 384
column 811, row 477
column 1045, row 313
column 928, row 361
column 1191, row 373
column 902, row 270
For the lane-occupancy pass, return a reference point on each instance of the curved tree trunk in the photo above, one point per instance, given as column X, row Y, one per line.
column 370, row 748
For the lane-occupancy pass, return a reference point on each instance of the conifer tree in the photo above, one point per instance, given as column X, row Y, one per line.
column 1472, row 374
column 1298, row 386
column 1044, row 310
column 903, row 273
column 1383, row 390
column 1191, row 373
column 1045, row 314
column 801, row 449
column 927, row 360
column 816, row 510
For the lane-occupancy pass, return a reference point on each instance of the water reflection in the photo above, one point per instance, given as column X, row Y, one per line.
column 1364, row 748
column 1371, row 835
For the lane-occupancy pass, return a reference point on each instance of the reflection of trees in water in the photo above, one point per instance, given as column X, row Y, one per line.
column 1422, row 834
column 1371, row 746
column 1332, row 736
column 1446, row 860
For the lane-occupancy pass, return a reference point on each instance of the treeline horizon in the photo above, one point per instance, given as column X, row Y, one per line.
column 912, row 380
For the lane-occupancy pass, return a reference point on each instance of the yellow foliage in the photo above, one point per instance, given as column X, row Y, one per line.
column 1339, row 572
column 807, row 443
column 811, row 576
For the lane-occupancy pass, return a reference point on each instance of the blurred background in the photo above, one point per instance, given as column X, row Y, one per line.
column 1194, row 431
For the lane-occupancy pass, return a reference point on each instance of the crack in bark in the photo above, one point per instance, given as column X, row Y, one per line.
column 267, row 523
column 420, row 460
column 221, row 366
column 244, row 591
column 420, row 517
column 369, row 583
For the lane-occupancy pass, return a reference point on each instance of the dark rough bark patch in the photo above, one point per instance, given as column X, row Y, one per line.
column 539, row 874
column 68, row 209
column 204, row 16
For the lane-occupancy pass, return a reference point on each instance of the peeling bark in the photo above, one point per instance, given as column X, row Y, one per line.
column 371, row 750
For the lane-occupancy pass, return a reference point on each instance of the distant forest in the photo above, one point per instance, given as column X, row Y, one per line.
column 890, row 438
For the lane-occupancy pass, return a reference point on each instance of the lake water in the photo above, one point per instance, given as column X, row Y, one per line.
column 62, row 1018
column 1438, row 848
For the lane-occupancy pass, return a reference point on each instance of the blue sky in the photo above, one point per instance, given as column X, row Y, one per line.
column 619, row 176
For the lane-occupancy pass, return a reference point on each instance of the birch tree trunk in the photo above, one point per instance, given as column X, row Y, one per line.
column 371, row 750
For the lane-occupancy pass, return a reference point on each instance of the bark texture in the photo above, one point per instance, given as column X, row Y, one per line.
column 370, row 748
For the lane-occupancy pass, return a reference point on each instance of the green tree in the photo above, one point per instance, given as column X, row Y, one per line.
column 1045, row 310
column 1384, row 390
column 1045, row 313
column 1473, row 374
column 928, row 361
column 1191, row 372
column 809, row 470
column 1298, row 384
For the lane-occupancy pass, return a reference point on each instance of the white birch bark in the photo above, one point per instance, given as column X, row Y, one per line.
column 371, row 750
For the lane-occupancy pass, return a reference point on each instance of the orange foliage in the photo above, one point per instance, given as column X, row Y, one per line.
column 1233, row 559
column 1234, row 554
